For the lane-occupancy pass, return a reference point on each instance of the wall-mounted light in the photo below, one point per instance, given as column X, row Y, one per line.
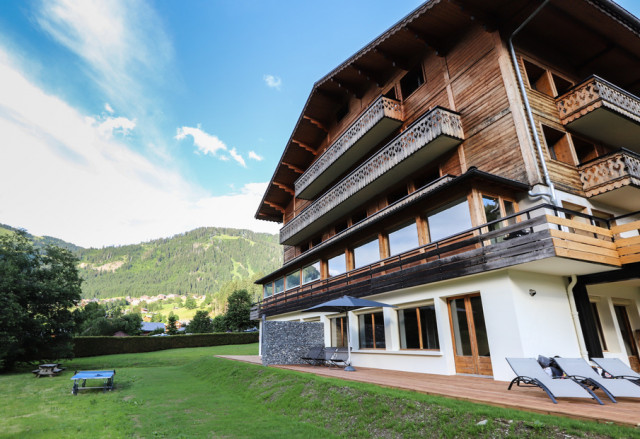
column 532, row 292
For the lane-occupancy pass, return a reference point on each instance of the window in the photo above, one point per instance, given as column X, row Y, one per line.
column 371, row 330
column 397, row 195
column 293, row 279
column 366, row 254
column 558, row 145
column 403, row 239
column 358, row 216
column 496, row 208
column 316, row 241
column 311, row 272
column 585, row 151
column 411, row 81
column 449, row 220
column 562, row 85
column 337, row 265
column 539, row 78
column 268, row 289
column 278, row 285
column 625, row 330
column 418, row 328
column 427, row 178
column 596, row 318
column 304, row 247
column 339, row 332
column 339, row 227
column 391, row 94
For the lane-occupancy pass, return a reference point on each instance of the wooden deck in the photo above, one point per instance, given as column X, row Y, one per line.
column 481, row 390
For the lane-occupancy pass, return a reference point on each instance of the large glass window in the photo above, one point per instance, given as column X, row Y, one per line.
column 418, row 328
column 278, row 285
column 366, row 254
column 311, row 272
column 450, row 220
column 337, row 265
column 339, row 332
column 596, row 318
column 403, row 239
column 268, row 289
column 371, row 330
column 293, row 279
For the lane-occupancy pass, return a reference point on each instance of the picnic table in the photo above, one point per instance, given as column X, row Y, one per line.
column 47, row 370
column 82, row 376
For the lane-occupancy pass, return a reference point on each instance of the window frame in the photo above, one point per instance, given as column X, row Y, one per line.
column 372, row 312
column 417, row 306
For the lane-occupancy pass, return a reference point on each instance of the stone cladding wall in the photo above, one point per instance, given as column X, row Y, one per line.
column 285, row 342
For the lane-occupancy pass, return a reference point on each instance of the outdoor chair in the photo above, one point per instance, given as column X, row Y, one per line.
column 328, row 354
column 578, row 369
column 314, row 356
column 530, row 374
column 339, row 358
column 617, row 369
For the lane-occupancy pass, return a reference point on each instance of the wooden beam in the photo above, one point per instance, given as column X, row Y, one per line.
column 275, row 206
column 348, row 88
column 293, row 168
column 333, row 97
column 592, row 58
column 305, row 146
column 395, row 60
column 369, row 75
column 430, row 41
column 316, row 123
column 489, row 23
column 284, row 187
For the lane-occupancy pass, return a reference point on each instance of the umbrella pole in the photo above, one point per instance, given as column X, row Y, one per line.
column 349, row 367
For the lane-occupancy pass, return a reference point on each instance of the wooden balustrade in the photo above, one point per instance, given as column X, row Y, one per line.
column 610, row 172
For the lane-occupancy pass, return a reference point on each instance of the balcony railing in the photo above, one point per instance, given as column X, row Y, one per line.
column 534, row 234
column 376, row 123
column 610, row 172
column 603, row 111
column 434, row 133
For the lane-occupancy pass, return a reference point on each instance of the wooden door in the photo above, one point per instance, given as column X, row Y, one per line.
column 470, row 342
column 627, row 336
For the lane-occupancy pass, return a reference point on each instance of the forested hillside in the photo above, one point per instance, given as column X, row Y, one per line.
column 208, row 260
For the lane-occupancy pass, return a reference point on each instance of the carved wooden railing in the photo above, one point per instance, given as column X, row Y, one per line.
column 609, row 172
column 536, row 233
column 381, row 108
column 433, row 124
column 594, row 93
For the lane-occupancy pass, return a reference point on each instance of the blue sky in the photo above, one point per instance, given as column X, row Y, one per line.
column 129, row 120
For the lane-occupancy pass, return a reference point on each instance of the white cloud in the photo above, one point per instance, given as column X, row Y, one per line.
column 110, row 125
column 254, row 156
column 238, row 158
column 205, row 142
column 63, row 178
column 108, row 108
column 272, row 81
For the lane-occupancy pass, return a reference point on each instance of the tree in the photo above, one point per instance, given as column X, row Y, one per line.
column 201, row 323
column 219, row 324
column 171, row 326
column 190, row 303
column 238, row 310
column 37, row 289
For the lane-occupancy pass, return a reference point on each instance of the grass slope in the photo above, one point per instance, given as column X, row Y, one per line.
column 189, row 393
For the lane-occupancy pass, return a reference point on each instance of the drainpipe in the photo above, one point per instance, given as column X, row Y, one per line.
column 551, row 196
column 576, row 318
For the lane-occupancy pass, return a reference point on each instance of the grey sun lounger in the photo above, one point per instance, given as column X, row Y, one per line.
column 314, row 356
column 578, row 369
column 530, row 374
column 340, row 357
column 617, row 369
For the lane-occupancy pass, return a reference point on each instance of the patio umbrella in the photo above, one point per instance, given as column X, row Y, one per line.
column 345, row 304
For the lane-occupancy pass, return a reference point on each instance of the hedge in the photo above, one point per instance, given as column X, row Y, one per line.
column 93, row 346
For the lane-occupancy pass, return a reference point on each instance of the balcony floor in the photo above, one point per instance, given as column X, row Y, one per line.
column 480, row 390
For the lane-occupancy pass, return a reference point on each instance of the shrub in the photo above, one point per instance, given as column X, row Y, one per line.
column 93, row 346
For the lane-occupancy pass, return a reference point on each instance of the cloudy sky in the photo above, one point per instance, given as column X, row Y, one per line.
column 128, row 120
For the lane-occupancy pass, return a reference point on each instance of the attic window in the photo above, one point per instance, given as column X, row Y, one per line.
column 342, row 112
column 411, row 81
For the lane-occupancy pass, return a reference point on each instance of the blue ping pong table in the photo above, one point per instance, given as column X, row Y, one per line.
column 82, row 376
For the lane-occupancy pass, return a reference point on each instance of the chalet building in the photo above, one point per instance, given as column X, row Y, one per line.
column 478, row 167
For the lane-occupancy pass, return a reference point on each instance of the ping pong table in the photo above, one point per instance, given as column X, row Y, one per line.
column 80, row 380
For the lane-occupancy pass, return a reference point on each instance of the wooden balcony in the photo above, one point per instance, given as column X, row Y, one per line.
column 436, row 132
column 600, row 110
column 376, row 123
column 613, row 179
column 539, row 239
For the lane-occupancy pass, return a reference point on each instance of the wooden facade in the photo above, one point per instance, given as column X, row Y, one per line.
column 430, row 117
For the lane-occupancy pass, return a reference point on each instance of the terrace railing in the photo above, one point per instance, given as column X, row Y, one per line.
column 609, row 172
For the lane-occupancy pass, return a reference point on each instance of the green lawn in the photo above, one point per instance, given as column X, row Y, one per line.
column 189, row 393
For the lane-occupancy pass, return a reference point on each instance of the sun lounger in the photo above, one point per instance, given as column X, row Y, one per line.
column 617, row 369
column 328, row 354
column 339, row 358
column 578, row 369
column 314, row 356
column 530, row 374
